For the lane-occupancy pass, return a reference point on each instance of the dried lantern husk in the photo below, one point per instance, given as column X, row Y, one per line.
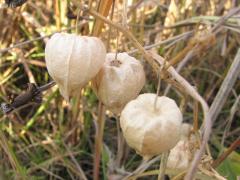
column 119, row 81
column 181, row 155
column 73, row 60
column 151, row 127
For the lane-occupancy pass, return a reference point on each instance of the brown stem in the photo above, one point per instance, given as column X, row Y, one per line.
column 98, row 140
column 224, row 155
column 33, row 93
column 57, row 14
column 47, row 86
column 129, row 35
column 163, row 165
column 195, row 115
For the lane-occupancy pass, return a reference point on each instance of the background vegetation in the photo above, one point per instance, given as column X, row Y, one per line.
column 56, row 140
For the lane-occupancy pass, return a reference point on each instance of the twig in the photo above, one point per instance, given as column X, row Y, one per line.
column 124, row 14
column 195, row 117
column 214, row 111
column 233, row 110
column 163, row 165
column 128, row 34
column 98, row 140
column 224, row 155
column 33, row 94
column 38, row 38
column 224, row 18
column 134, row 6
column 186, row 59
column 12, row 159
column 83, row 176
column 103, row 9
column 181, row 36
column 207, row 116
column 27, row 69
column 47, row 86
column 181, row 80
column 226, row 87
column 197, row 44
column 120, row 145
column 210, row 115
column 141, row 168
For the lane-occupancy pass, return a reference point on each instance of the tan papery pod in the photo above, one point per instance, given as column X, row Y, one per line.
column 151, row 131
column 73, row 60
column 181, row 155
column 119, row 81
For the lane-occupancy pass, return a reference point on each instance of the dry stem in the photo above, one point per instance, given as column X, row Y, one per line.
column 182, row 81
column 98, row 140
column 226, row 87
column 207, row 117
column 189, row 89
column 163, row 165
column 129, row 35
column 221, row 158
column 24, row 43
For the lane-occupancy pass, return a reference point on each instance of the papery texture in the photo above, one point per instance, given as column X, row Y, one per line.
column 181, row 155
column 151, row 130
column 119, row 81
column 73, row 60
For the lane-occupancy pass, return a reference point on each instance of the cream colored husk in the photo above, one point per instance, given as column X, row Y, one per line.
column 151, row 131
column 119, row 81
column 181, row 155
column 73, row 60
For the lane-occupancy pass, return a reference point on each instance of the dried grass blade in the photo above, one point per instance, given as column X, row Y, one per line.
column 226, row 87
column 103, row 9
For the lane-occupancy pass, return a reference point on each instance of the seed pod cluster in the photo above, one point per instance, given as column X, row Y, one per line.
column 150, row 127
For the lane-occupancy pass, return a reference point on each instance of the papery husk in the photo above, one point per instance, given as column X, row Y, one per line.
column 151, row 130
column 119, row 81
column 181, row 155
column 73, row 60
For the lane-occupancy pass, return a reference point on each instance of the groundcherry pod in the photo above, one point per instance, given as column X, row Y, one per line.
column 151, row 127
column 73, row 60
column 120, row 80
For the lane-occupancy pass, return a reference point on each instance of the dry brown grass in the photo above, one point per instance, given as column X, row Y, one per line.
column 56, row 140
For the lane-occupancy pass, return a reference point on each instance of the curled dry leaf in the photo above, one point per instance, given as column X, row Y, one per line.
column 119, row 81
column 73, row 60
column 151, row 130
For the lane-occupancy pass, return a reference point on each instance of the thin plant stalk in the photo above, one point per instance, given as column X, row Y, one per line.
column 120, row 145
column 158, row 87
column 74, row 124
column 163, row 165
column 150, row 58
column 103, row 9
column 129, row 35
column 207, row 116
column 57, row 14
column 77, row 20
column 222, row 157
column 98, row 140
column 195, row 116
column 14, row 161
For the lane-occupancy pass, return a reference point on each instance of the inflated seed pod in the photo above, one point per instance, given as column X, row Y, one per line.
column 181, row 155
column 119, row 81
column 73, row 60
column 151, row 128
